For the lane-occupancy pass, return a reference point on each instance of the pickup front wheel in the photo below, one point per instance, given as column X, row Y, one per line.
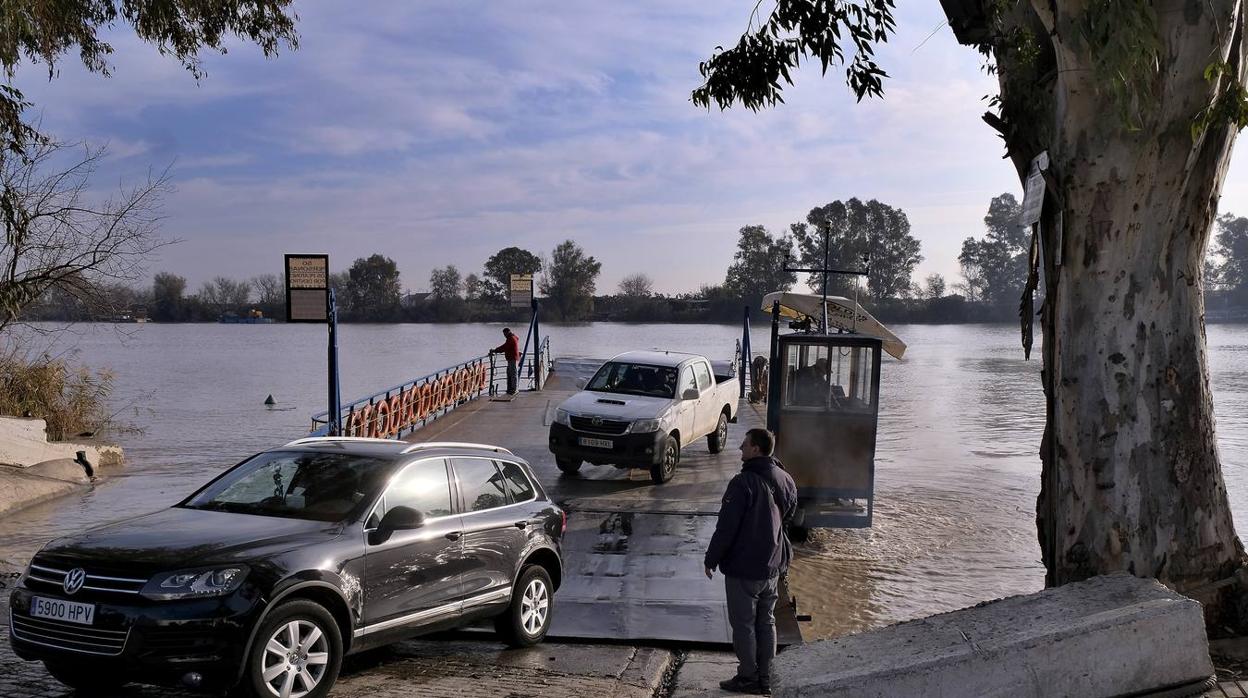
column 568, row 465
column 718, row 439
column 662, row 471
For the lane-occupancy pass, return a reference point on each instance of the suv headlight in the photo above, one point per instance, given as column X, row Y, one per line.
column 195, row 583
column 646, row 426
column 563, row 417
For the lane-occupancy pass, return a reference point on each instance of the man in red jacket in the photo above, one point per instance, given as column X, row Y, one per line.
column 510, row 349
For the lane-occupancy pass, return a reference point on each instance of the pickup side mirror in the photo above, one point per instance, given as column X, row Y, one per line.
column 690, row 394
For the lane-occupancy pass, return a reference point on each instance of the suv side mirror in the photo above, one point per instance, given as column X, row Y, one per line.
column 690, row 394
column 401, row 519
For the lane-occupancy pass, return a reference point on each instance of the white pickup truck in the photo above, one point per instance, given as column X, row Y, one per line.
column 640, row 409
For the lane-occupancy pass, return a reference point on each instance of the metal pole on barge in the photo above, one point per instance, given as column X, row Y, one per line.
column 744, row 368
column 537, row 349
column 334, row 421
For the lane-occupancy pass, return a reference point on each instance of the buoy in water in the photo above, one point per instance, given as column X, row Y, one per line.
column 270, row 401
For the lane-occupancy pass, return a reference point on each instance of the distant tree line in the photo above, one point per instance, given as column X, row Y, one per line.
column 862, row 235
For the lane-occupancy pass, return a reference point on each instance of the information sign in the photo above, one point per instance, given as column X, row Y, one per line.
column 307, row 288
column 521, row 290
column 1033, row 194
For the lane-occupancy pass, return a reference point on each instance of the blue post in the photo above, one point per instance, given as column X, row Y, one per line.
column 537, row 350
column 525, row 353
column 334, row 418
column 745, row 350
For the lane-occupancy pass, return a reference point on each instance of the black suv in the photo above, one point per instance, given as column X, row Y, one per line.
column 267, row 576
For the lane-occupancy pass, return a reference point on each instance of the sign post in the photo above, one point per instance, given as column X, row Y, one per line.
column 310, row 299
column 521, row 290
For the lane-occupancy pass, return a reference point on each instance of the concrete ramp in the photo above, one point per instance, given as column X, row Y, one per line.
column 1109, row 636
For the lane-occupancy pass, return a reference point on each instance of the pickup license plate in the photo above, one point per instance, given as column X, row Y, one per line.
column 596, row 443
column 68, row 611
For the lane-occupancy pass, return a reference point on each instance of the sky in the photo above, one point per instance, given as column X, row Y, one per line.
column 439, row 133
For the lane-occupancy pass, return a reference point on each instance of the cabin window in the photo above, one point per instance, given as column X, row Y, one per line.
column 828, row 377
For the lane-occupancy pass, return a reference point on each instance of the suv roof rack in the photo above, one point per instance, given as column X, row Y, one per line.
column 310, row 440
column 455, row 444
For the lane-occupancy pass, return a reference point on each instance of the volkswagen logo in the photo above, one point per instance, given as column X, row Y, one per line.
column 596, row 421
column 74, row 579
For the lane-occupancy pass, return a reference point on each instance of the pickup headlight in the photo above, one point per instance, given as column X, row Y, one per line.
column 195, row 584
column 646, row 426
column 563, row 417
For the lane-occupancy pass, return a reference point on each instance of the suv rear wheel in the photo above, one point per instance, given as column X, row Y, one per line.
column 526, row 621
column 296, row 654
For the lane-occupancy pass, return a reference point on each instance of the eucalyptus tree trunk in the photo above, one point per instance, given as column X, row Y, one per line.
column 1132, row 478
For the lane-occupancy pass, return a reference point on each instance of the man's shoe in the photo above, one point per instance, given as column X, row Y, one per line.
column 739, row 684
column 764, row 687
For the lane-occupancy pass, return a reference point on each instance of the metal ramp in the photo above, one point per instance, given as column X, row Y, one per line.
column 639, row 576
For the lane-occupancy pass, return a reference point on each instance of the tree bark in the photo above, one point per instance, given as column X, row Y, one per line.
column 1132, row 478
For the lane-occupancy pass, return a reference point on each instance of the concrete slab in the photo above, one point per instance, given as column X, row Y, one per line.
column 1109, row 636
column 467, row 669
column 700, row 673
column 20, row 489
column 24, row 442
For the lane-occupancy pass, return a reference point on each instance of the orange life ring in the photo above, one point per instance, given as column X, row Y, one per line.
column 409, row 405
column 423, row 409
column 348, row 424
column 444, row 391
column 461, row 384
column 481, row 376
column 381, row 417
column 435, row 395
column 396, row 416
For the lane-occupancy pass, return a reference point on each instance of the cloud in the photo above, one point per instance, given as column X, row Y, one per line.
column 439, row 133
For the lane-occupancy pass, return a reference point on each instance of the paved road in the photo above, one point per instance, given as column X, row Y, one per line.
column 449, row 666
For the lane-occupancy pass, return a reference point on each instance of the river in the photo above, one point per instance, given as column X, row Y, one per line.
column 956, row 468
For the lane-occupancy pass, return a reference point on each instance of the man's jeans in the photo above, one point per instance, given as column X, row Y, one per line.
column 511, row 377
column 752, row 615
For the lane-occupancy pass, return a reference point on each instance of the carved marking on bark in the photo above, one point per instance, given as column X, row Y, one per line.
column 1182, row 465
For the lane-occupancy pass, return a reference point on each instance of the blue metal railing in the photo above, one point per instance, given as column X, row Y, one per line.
column 403, row 408
column 398, row 410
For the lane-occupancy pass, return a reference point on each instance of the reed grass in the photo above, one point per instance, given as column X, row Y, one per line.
column 72, row 399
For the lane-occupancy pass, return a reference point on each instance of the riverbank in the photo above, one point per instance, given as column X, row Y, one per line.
column 34, row 470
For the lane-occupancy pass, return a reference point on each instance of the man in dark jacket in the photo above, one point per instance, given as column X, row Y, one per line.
column 510, row 349
column 751, row 548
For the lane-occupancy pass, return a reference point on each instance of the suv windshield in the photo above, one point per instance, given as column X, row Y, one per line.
column 314, row 486
column 634, row 379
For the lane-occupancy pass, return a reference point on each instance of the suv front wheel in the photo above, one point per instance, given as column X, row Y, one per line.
column 296, row 654
column 527, row 619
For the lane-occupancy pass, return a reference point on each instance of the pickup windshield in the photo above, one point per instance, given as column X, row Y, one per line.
column 634, row 379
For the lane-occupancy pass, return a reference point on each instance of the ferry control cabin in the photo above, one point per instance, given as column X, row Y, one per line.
column 823, row 404
column 825, row 416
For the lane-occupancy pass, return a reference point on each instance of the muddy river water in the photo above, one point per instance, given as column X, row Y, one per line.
column 956, row 470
